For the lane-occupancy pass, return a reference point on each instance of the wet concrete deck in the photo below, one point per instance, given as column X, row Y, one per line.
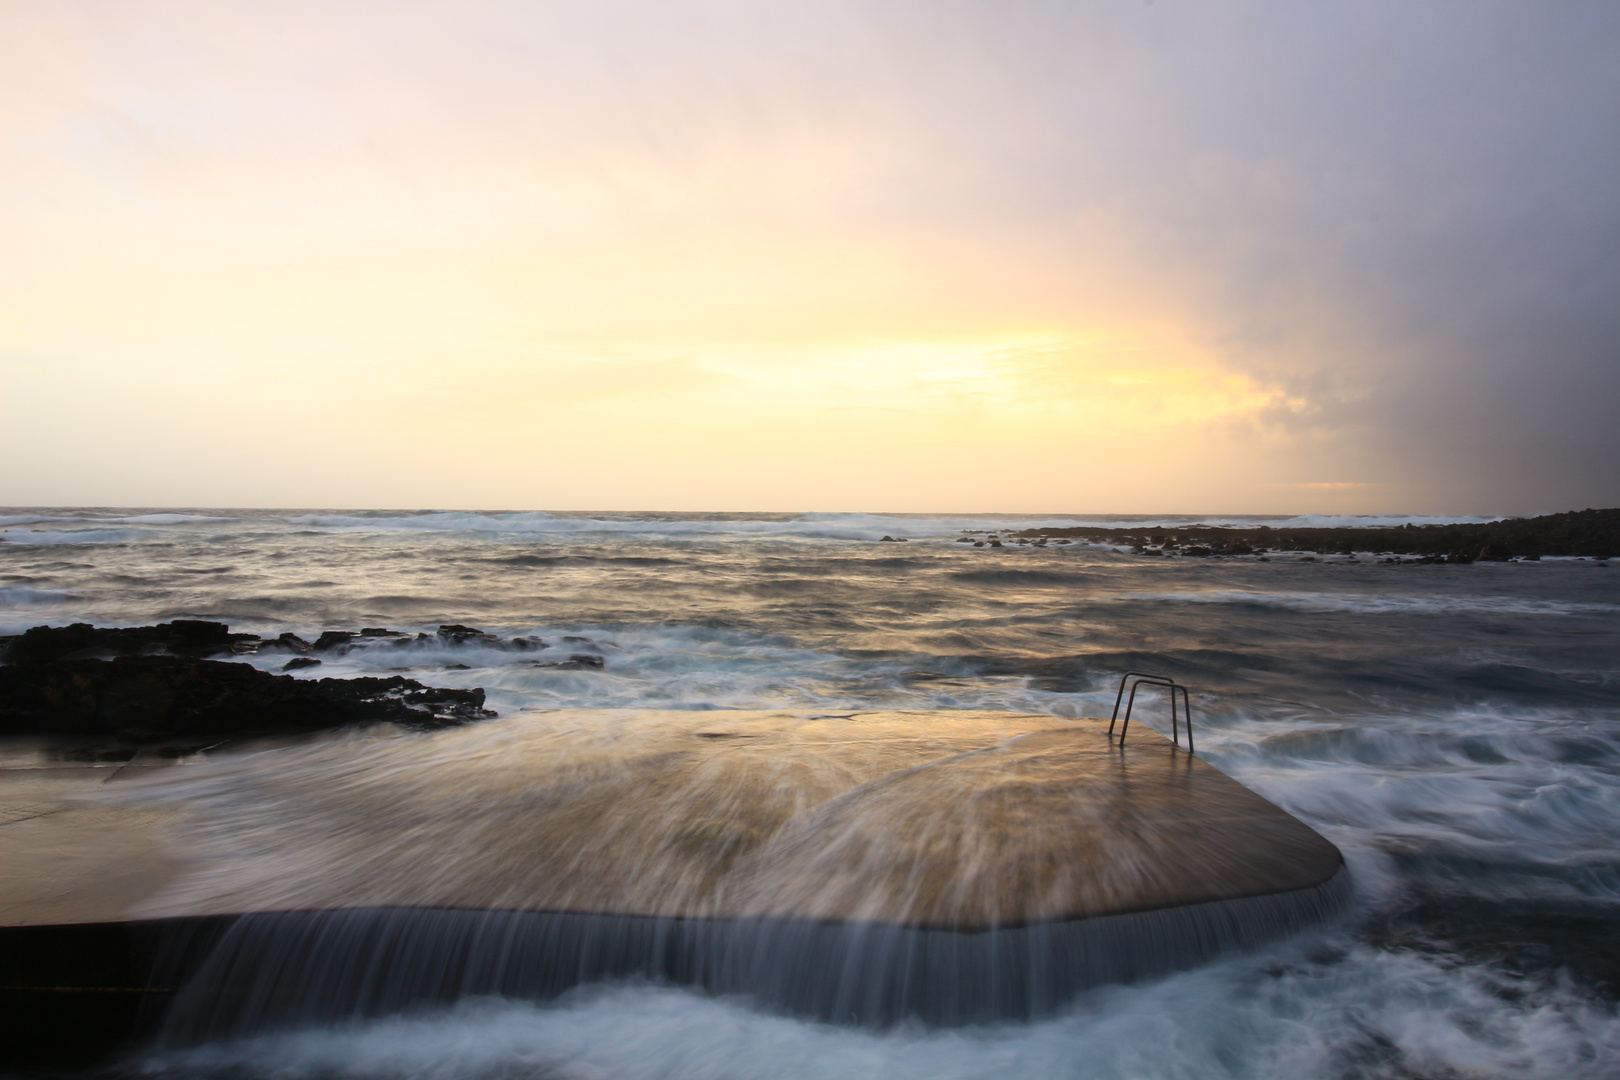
column 67, row 857
column 958, row 821
column 951, row 867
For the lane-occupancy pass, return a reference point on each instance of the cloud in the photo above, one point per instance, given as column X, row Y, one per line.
column 1369, row 240
column 1402, row 217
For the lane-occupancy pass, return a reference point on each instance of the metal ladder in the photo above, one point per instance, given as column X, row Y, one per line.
column 1143, row 678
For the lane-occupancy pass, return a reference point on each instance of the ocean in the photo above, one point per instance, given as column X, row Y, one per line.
column 1452, row 728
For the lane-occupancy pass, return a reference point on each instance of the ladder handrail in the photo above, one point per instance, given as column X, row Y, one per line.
column 1119, row 697
column 1130, row 703
column 1144, row 678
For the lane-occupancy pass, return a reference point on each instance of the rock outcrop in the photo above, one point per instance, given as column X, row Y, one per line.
column 153, row 684
column 1588, row 533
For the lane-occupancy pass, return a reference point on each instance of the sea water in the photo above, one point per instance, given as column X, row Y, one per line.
column 1451, row 728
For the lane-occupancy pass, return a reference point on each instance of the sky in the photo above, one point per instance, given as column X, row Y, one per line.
column 1088, row 256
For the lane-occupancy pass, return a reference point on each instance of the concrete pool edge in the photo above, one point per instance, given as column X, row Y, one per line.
column 175, row 982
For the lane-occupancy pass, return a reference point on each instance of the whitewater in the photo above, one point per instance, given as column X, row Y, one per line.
column 1450, row 727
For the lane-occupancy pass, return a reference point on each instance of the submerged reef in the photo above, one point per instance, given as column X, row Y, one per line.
column 154, row 684
column 1587, row 533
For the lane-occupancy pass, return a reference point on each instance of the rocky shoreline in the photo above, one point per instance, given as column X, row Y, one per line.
column 150, row 685
column 1593, row 534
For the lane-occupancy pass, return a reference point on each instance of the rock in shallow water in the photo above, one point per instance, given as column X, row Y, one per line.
column 182, row 637
column 81, row 682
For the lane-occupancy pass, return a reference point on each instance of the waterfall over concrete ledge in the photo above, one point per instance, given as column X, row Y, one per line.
column 953, row 867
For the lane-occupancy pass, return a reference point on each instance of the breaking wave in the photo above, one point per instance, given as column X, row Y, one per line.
column 1374, row 604
column 73, row 536
column 18, row 596
column 827, row 526
column 1329, row 1010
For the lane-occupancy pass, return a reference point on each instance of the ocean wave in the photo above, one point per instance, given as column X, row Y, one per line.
column 786, row 526
column 1284, row 1014
column 1016, row 576
column 652, row 666
column 822, row 526
column 103, row 519
column 815, row 526
column 7, row 521
column 1372, row 604
column 674, row 667
column 74, row 536
column 16, row 596
column 1510, row 804
column 163, row 519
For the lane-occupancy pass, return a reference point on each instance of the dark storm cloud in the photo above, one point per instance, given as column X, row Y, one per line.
column 1407, row 214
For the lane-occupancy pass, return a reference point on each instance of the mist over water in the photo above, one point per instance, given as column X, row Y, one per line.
column 1451, row 728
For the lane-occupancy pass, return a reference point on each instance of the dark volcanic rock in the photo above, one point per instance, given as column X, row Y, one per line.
column 456, row 634
column 51, row 685
column 300, row 662
column 576, row 662
column 331, row 639
column 1591, row 533
column 183, row 637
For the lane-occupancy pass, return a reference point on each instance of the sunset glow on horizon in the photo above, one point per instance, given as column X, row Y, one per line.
column 824, row 257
